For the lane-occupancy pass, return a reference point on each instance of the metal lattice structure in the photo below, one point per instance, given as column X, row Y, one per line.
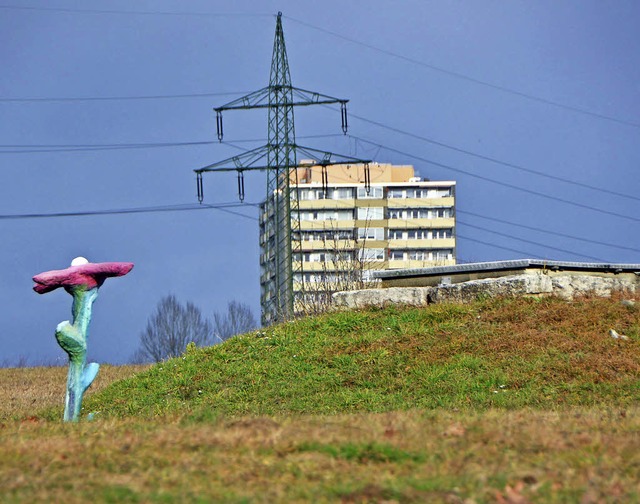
column 277, row 292
column 279, row 212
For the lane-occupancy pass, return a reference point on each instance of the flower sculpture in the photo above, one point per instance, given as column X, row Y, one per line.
column 82, row 280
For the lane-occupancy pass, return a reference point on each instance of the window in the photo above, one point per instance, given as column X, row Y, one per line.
column 343, row 215
column 314, row 257
column 303, row 194
column 440, row 234
column 333, row 234
column 344, row 256
column 420, row 213
column 439, row 192
column 426, row 255
column 417, row 213
column 396, row 255
column 346, row 234
column 374, row 193
column 420, row 192
column 325, row 257
column 341, row 193
column 371, row 213
column 443, row 254
column 322, row 215
column 418, row 234
column 419, row 255
column 370, row 233
column 309, row 194
column 439, row 213
column 396, row 234
column 368, row 254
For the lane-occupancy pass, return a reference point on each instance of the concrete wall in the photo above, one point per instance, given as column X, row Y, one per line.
column 567, row 286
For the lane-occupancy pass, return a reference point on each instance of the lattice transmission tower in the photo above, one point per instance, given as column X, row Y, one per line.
column 279, row 213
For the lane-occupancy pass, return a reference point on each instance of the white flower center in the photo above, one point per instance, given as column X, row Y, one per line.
column 79, row 261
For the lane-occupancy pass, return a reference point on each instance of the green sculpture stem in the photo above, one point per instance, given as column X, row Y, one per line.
column 72, row 337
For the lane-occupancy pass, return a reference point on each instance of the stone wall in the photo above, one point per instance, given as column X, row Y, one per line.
column 531, row 284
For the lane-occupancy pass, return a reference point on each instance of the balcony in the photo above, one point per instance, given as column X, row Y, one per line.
column 434, row 243
column 326, row 203
column 327, row 245
column 420, row 202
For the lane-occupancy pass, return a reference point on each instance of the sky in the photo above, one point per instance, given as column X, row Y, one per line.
column 533, row 108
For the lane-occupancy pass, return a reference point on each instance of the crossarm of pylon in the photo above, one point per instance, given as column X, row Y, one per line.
column 325, row 158
column 260, row 99
column 305, row 97
column 244, row 161
column 254, row 99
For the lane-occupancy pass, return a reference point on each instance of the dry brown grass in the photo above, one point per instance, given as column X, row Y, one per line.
column 574, row 455
column 557, row 453
column 24, row 391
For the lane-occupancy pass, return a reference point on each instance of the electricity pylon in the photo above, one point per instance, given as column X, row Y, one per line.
column 279, row 214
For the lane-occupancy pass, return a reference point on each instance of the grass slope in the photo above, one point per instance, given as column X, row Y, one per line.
column 493, row 456
column 506, row 353
column 26, row 391
column 501, row 401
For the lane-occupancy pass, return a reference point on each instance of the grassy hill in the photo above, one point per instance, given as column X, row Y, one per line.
column 506, row 353
column 508, row 401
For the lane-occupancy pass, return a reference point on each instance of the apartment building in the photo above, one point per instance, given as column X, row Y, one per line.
column 352, row 222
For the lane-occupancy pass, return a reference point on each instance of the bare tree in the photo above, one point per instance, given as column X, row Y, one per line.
column 170, row 329
column 346, row 265
column 237, row 319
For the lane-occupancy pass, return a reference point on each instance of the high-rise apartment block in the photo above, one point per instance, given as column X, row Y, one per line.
column 348, row 228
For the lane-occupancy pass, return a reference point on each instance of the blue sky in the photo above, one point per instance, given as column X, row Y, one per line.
column 532, row 107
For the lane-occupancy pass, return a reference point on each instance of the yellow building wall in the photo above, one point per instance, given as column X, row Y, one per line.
column 352, row 173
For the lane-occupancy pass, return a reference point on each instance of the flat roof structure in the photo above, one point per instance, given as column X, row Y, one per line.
column 439, row 275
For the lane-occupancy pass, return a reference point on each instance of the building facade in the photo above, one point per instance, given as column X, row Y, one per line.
column 343, row 229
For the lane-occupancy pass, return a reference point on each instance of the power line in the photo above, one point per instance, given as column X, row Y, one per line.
column 226, row 210
column 540, row 230
column 537, row 243
column 38, row 148
column 467, row 78
column 262, row 140
column 344, row 204
column 223, row 207
column 530, row 241
column 34, row 149
column 113, row 98
column 563, row 235
column 526, row 254
column 136, row 13
column 343, row 37
column 110, row 146
column 494, row 160
column 504, row 184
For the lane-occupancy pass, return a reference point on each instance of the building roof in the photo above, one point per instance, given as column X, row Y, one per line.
column 353, row 173
column 506, row 265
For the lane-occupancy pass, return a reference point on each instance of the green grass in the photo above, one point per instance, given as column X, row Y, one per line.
column 368, row 452
column 573, row 455
column 509, row 353
column 521, row 400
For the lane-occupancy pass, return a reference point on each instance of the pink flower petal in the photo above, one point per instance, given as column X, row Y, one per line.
column 90, row 275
